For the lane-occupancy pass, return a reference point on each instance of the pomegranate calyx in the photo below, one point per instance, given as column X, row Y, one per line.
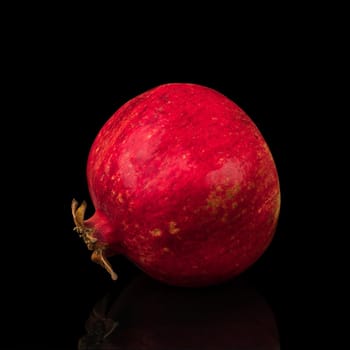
column 86, row 233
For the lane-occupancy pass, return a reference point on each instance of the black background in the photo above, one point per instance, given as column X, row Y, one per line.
column 65, row 83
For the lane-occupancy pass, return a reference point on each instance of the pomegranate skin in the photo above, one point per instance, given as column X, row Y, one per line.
column 184, row 185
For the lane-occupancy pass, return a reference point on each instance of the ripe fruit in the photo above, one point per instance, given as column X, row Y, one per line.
column 183, row 184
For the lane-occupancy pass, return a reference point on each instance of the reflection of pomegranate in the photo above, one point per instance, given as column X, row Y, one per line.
column 151, row 315
column 183, row 184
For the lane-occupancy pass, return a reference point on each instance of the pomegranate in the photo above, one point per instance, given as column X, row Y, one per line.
column 183, row 184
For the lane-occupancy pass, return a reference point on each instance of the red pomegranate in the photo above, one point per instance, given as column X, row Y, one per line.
column 183, row 184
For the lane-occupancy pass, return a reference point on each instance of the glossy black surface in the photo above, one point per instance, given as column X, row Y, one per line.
column 150, row 315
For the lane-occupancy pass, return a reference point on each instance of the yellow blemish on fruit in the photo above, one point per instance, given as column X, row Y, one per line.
column 234, row 205
column 221, row 198
column 156, row 232
column 232, row 191
column 166, row 250
column 214, row 201
column 173, row 230
column 120, row 198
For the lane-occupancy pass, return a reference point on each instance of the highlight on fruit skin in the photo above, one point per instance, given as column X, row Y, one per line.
column 183, row 184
